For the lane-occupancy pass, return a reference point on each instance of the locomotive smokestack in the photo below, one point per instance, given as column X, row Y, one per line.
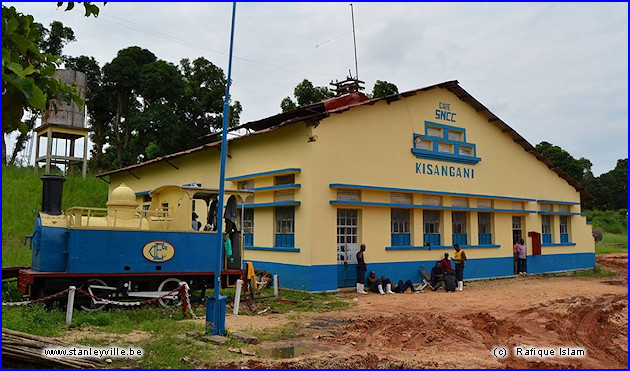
column 51, row 195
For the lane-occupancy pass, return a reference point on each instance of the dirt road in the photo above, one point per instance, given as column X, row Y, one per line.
column 461, row 329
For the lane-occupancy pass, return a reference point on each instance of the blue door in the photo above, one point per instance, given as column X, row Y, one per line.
column 347, row 247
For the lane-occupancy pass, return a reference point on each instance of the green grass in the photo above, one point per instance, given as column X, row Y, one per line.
column 22, row 199
column 612, row 243
column 610, row 221
column 597, row 272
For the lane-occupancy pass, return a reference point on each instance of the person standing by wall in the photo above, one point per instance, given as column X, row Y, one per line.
column 460, row 259
column 522, row 257
column 361, row 269
column 515, row 250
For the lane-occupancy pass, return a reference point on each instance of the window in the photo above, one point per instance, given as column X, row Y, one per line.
column 546, row 228
column 431, row 200
column 434, row 132
column 248, row 227
column 484, row 204
column 563, row 208
column 285, row 223
column 423, row 144
column 455, row 135
column 284, row 195
column 401, row 198
column 564, row 229
column 517, row 205
column 465, row 151
column 545, row 207
column 348, row 195
column 459, row 228
column 459, row 202
column 285, row 179
column 485, row 228
column 517, row 229
column 445, row 147
column 431, row 227
column 401, row 231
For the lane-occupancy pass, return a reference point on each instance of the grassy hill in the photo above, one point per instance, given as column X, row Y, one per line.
column 22, row 200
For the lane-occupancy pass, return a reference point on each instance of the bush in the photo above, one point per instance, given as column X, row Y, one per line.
column 610, row 221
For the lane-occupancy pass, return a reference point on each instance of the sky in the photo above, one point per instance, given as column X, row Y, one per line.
column 555, row 72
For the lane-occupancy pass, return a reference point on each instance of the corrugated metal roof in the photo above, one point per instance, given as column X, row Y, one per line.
column 318, row 111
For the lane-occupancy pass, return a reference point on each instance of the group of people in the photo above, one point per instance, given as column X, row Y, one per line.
column 520, row 256
column 442, row 275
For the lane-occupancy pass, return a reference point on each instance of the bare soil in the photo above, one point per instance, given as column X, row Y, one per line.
column 460, row 329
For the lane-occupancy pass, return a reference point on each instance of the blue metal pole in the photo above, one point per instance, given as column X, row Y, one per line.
column 218, row 315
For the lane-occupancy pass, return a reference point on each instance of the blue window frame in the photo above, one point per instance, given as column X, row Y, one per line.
column 459, row 228
column 564, row 229
column 431, row 233
column 248, row 227
column 401, row 231
column 546, row 229
column 285, row 224
column 444, row 143
column 484, row 222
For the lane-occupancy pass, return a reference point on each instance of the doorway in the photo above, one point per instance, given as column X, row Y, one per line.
column 347, row 247
column 517, row 235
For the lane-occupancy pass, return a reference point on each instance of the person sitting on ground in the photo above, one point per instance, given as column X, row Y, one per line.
column 402, row 287
column 437, row 276
column 446, row 264
column 376, row 284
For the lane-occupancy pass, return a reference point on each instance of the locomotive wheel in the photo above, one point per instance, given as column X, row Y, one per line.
column 166, row 286
column 86, row 303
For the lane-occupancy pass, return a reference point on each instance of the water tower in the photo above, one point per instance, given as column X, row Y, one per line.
column 64, row 127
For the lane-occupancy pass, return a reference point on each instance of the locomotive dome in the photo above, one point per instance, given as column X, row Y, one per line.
column 122, row 196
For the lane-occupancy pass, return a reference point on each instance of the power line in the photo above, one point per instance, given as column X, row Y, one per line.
column 146, row 30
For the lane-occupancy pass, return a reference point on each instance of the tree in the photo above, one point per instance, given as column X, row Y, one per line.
column 28, row 74
column 615, row 186
column 383, row 89
column 100, row 102
column 55, row 38
column 287, row 104
column 306, row 93
column 123, row 75
column 561, row 158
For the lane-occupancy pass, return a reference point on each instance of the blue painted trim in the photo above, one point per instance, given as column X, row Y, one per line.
column 428, row 248
column 558, row 213
column 389, row 248
column 442, row 156
column 409, row 206
column 265, row 173
column 558, row 244
column 141, row 193
column 558, row 202
column 302, row 277
column 591, row 223
column 375, row 188
column 286, row 249
column 325, row 277
column 275, row 188
column 272, row 204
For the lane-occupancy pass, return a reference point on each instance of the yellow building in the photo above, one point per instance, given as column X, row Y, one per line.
column 408, row 175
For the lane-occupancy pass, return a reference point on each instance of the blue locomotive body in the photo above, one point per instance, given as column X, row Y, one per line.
column 131, row 249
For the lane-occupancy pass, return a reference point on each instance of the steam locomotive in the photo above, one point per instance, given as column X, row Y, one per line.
column 131, row 250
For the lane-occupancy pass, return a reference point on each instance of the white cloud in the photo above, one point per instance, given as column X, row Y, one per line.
column 554, row 72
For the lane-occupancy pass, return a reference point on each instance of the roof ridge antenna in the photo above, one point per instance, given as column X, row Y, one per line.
column 354, row 38
column 350, row 84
